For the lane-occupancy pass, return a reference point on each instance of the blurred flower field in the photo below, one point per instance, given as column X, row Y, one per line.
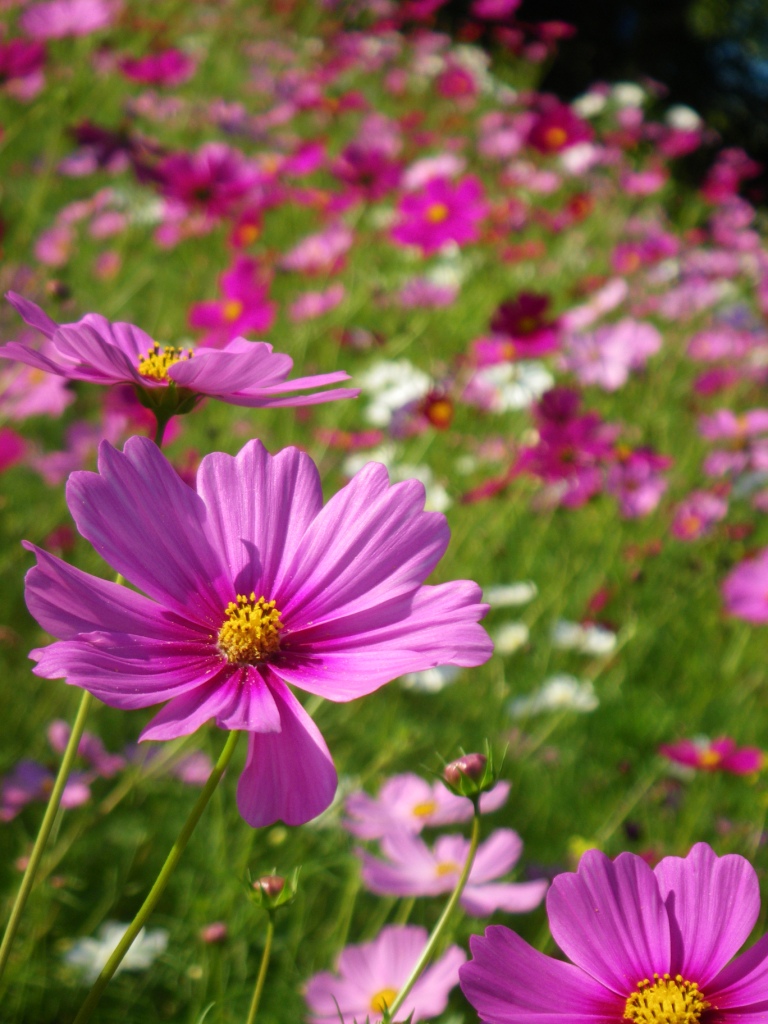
column 543, row 323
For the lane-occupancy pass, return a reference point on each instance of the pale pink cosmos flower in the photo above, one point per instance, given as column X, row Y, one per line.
column 410, row 802
column 745, row 590
column 56, row 19
column 319, row 253
column 253, row 586
column 90, row 749
column 310, row 305
column 368, row 978
column 606, row 356
column 411, row 868
column 441, row 211
column 646, row 944
column 26, row 391
column 31, row 782
column 695, row 516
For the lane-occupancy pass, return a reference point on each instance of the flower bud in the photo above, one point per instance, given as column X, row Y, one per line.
column 272, row 891
column 470, row 775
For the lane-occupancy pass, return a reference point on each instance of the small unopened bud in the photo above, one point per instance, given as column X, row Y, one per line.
column 272, row 891
column 470, row 775
column 470, row 767
column 214, row 933
column 270, row 885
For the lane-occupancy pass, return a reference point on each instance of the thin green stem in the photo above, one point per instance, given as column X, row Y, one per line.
column 45, row 829
column 162, row 422
column 161, row 881
column 263, row 967
column 439, row 928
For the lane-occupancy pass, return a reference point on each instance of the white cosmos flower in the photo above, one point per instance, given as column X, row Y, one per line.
column 510, row 637
column 392, row 384
column 510, row 595
column 90, row 955
column 431, row 680
column 558, row 693
column 573, row 636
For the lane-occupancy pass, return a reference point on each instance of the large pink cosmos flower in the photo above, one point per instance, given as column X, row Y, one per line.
column 442, row 211
column 168, row 380
column 647, row 945
column 370, row 976
column 253, row 586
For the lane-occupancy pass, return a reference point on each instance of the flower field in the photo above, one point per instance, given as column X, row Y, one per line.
column 361, row 397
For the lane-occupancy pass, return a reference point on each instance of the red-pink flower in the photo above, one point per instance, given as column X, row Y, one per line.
column 243, row 309
column 169, row 67
column 556, row 128
column 720, row 755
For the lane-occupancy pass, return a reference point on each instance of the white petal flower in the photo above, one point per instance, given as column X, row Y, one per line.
column 90, row 955
column 431, row 680
column 510, row 637
column 510, row 595
column 558, row 693
column 573, row 636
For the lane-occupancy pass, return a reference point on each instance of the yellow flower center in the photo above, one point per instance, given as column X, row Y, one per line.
column 248, row 233
column 232, row 310
column 437, row 213
column 666, row 1000
column 251, row 631
column 448, row 867
column 383, row 999
column 555, row 137
column 710, row 758
column 156, row 363
column 424, row 809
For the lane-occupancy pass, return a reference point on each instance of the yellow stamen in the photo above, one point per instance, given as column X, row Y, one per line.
column 383, row 999
column 424, row 810
column 710, row 758
column 156, row 363
column 248, row 233
column 555, row 137
column 251, row 631
column 232, row 310
column 448, row 867
column 437, row 213
column 666, row 1000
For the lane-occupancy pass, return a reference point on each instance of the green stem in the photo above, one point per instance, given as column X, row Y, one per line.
column 162, row 422
column 439, row 928
column 262, row 971
column 45, row 829
column 161, row 881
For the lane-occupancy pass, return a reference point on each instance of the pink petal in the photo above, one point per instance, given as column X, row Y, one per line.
column 289, row 775
column 271, row 500
column 511, row 897
column 609, row 919
column 509, row 982
column 713, row 903
column 151, row 527
column 743, row 984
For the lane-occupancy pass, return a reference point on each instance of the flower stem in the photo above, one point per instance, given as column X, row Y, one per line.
column 439, row 928
column 262, row 971
column 45, row 829
column 161, row 881
column 162, row 422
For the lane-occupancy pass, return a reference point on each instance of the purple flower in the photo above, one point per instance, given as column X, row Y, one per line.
column 411, row 803
column 412, row 869
column 30, row 781
column 745, row 589
column 93, row 349
column 646, row 945
column 370, row 976
column 253, row 586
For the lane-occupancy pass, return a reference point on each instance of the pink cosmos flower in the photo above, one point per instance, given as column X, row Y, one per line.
column 409, row 802
column 718, row 755
column 253, row 586
column 413, row 869
column 169, row 67
column 745, row 589
column 645, row 944
column 90, row 749
column 310, row 305
column 442, row 211
column 242, row 372
column 26, row 391
column 243, row 308
column 320, row 253
column 556, row 128
column 30, row 782
column 368, row 978
column 20, row 59
column 696, row 515
column 13, row 448
column 606, row 356
column 215, row 179
column 635, row 480
column 56, row 19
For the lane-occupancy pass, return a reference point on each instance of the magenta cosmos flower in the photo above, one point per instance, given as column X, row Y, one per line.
column 720, row 755
column 371, row 975
column 745, row 589
column 168, row 380
column 442, row 211
column 649, row 946
column 253, row 587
